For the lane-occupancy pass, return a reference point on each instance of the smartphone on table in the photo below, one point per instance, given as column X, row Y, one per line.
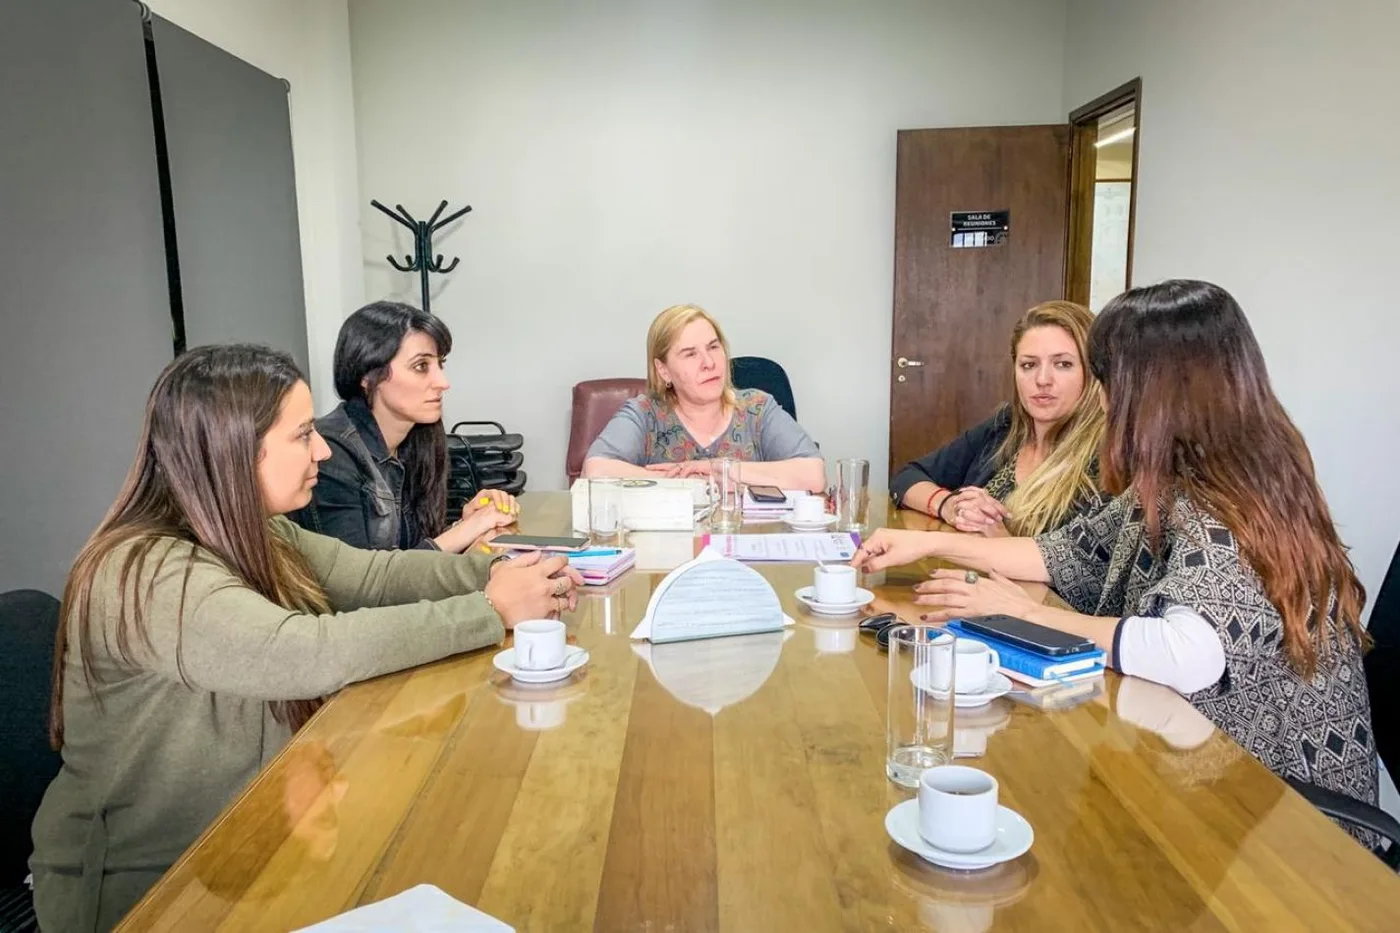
column 766, row 494
column 562, row 545
column 1039, row 639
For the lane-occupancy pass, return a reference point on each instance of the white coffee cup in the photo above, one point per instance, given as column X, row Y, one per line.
column 958, row 808
column 975, row 662
column 540, row 645
column 809, row 509
column 835, row 584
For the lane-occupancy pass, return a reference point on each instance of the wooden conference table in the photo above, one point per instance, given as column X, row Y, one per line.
column 739, row 785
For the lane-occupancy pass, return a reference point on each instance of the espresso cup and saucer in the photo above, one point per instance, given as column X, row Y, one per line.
column 541, row 653
column 956, row 821
column 971, row 666
column 809, row 514
column 834, row 592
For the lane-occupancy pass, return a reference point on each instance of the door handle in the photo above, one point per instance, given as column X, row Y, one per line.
column 903, row 362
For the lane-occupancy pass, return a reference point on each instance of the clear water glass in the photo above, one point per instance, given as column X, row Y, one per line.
column 604, row 509
column 852, row 494
column 726, row 496
column 918, row 724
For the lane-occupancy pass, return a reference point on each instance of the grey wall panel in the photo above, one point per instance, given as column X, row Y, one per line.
column 84, row 307
column 228, row 132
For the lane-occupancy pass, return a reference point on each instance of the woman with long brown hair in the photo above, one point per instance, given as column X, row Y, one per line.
column 1217, row 570
column 201, row 628
column 1030, row 467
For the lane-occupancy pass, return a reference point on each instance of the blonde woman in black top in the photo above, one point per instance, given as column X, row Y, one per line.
column 1030, row 467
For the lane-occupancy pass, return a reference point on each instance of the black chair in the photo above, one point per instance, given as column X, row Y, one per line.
column 1383, row 668
column 757, row 372
column 1352, row 811
column 28, row 623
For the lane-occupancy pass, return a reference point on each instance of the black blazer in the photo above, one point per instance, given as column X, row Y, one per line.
column 968, row 460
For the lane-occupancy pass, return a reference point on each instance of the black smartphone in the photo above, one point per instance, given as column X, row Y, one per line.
column 1036, row 638
column 767, row 494
column 537, row 543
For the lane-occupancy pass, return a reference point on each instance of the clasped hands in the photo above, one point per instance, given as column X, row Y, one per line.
column 975, row 511
column 683, row 469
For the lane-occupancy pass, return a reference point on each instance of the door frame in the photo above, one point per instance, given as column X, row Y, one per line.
column 1084, row 132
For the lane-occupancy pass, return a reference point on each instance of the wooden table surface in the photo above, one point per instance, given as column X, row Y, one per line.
column 739, row 785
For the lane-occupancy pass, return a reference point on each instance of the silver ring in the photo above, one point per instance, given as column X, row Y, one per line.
column 970, row 576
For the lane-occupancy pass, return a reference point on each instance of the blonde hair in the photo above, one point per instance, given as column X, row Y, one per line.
column 662, row 335
column 1044, row 500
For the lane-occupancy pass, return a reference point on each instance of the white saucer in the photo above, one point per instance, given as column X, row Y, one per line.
column 807, row 597
column 816, row 524
column 574, row 658
column 1013, row 839
column 998, row 685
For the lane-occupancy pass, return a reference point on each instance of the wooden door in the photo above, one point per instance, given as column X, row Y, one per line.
column 954, row 307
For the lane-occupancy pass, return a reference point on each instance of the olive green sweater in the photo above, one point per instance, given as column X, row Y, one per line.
column 151, row 759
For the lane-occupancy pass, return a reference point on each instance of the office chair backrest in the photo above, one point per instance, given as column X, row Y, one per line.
column 28, row 624
column 757, row 372
column 595, row 402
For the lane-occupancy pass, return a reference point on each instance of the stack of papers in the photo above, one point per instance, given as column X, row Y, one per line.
column 770, row 511
column 601, row 566
column 829, row 547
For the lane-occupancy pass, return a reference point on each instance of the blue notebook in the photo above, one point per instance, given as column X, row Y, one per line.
column 1020, row 661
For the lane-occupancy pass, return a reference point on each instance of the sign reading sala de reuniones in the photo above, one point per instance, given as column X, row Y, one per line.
column 979, row 228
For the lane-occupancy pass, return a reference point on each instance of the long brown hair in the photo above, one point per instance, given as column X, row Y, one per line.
column 368, row 341
column 194, row 481
column 1191, row 412
column 1065, row 475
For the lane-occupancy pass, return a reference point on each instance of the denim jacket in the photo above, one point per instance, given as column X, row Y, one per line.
column 360, row 496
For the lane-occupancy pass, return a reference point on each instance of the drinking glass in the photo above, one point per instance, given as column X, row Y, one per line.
column 604, row 509
column 918, row 725
column 852, row 494
column 726, row 496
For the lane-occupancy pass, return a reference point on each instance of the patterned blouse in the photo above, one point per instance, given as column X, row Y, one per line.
column 1314, row 729
column 646, row 431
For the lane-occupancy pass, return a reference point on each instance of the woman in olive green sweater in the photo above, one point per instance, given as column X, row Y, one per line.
column 201, row 628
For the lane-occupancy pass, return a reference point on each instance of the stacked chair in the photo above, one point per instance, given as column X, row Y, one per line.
column 482, row 461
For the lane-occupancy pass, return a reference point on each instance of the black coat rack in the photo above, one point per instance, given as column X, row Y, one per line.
column 422, row 261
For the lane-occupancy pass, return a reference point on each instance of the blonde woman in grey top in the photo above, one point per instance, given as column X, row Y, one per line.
column 201, row 629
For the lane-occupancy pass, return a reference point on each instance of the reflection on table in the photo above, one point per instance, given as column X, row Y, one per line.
column 740, row 786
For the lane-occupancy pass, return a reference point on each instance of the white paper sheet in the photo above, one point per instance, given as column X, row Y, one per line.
column 424, row 909
column 710, row 597
column 827, row 547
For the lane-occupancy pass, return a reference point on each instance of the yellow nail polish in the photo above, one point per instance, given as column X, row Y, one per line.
column 483, row 500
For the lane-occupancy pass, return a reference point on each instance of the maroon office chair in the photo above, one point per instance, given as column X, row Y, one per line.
column 595, row 402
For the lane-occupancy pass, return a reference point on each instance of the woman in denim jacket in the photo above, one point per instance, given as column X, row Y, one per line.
column 385, row 485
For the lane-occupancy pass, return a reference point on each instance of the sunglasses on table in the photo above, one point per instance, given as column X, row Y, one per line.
column 879, row 626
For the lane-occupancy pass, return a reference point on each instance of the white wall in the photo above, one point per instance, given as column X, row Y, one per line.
column 624, row 156
column 308, row 43
column 1262, row 167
